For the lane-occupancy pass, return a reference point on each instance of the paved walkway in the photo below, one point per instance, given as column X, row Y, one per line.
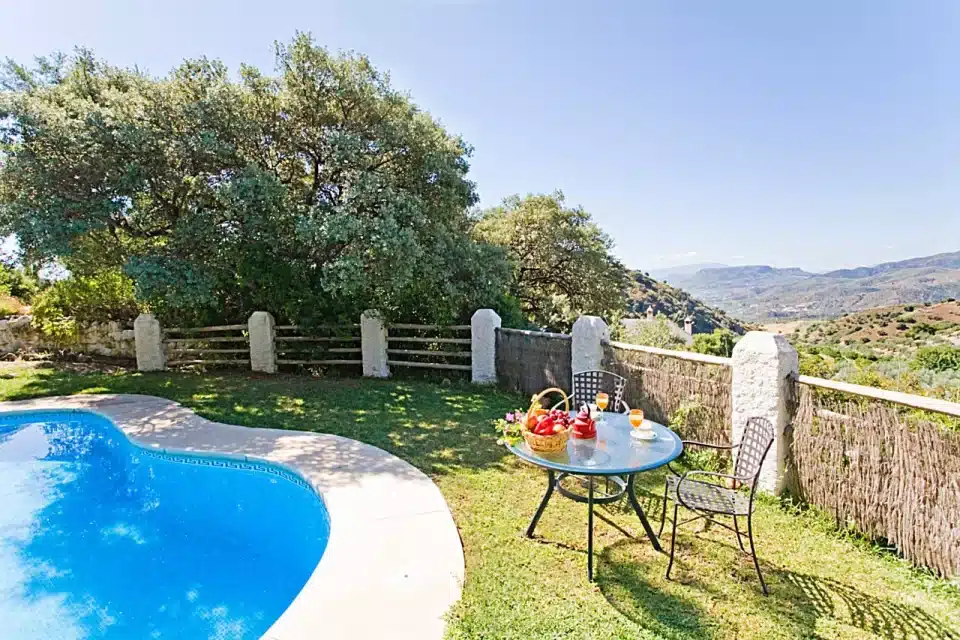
column 394, row 562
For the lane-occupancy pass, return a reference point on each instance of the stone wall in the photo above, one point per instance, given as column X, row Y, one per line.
column 98, row 338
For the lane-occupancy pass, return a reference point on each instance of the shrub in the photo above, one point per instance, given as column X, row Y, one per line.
column 108, row 295
column 22, row 284
column 909, row 308
column 718, row 343
column 9, row 306
column 658, row 333
column 940, row 358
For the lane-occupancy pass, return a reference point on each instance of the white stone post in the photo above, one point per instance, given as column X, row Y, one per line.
column 763, row 364
column 373, row 345
column 589, row 332
column 483, row 345
column 149, row 343
column 263, row 346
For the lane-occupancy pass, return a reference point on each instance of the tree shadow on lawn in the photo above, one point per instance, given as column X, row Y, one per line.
column 439, row 428
column 797, row 601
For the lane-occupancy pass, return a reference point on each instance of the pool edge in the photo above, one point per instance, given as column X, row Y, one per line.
column 394, row 562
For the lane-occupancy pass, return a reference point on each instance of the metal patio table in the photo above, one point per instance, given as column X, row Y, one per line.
column 612, row 455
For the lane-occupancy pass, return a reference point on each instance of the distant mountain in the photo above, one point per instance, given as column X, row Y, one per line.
column 647, row 292
column 763, row 293
column 683, row 271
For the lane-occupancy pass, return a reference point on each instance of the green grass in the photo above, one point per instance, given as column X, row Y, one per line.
column 823, row 584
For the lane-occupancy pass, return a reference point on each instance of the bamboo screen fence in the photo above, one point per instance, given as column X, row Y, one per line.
column 890, row 471
column 531, row 361
column 661, row 381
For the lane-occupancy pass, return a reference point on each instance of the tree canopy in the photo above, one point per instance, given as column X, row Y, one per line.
column 562, row 265
column 314, row 193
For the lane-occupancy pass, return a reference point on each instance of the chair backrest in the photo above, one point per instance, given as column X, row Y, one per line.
column 754, row 445
column 587, row 384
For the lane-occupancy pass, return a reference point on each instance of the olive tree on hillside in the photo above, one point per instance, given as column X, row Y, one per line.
column 314, row 193
column 562, row 265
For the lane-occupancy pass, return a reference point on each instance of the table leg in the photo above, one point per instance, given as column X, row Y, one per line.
column 551, row 482
column 590, row 531
column 643, row 518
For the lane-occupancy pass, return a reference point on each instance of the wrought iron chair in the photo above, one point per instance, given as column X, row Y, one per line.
column 707, row 499
column 586, row 386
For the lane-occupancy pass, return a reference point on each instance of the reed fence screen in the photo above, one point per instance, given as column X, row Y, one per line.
column 892, row 473
column 223, row 346
column 660, row 384
column 531, row 361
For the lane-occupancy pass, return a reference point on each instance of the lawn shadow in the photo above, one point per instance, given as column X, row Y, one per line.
column 813, row 597
column 626, row 585
column 798, row 601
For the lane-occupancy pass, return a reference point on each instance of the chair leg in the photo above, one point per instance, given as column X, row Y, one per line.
column 673, row 539
column 663, row 514
column 736, row 527
column 753, row 552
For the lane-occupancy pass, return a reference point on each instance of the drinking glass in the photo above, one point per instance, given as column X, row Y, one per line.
column 602, row 400
column 636, row 418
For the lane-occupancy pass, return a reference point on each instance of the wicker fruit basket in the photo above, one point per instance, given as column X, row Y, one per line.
column 541, row 443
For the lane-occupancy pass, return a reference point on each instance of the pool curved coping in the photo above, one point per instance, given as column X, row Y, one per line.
column 393, row 565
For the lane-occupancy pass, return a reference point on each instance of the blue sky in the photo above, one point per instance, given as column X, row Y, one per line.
column 818, row 134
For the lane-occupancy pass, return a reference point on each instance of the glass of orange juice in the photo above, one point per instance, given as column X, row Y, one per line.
column 636, row 418
column 602, row 401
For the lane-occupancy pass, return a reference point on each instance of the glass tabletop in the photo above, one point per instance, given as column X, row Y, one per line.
column 612, row 452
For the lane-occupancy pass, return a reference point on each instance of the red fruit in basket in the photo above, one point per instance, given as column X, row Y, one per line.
column 545, row 426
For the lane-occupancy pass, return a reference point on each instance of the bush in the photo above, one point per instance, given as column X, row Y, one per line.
column 909, row 308
column 657, row 333
column 9, row 306
column 941, row 358
column 108, row 295
column 718, row 343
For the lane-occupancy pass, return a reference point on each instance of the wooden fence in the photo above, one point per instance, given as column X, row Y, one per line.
column 429, row 346
column 876, row 463
column 225, row 346
column 318, row 346
column 660, row 381
column 531, row 361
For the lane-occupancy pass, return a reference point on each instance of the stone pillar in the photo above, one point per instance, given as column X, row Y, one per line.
column 149, row 343
column 763, row 364
column 588, row 334
column 483, row 345
column 688, row 325
column 650, row 313
column 373, row 345
column 263, row 346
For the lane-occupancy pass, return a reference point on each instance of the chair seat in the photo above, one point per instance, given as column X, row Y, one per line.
column 712, row 498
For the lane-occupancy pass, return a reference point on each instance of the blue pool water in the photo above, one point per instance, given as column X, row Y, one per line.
column 100, row 538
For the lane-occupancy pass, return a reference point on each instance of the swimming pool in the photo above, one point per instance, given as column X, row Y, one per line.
column 100, row 538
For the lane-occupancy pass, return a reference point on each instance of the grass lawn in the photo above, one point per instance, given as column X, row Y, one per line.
column 823, row 584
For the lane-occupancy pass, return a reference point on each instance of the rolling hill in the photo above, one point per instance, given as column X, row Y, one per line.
column 763, row 293
column 676, row 304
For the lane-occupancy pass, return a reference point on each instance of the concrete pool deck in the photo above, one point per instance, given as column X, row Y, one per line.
column 394, row 563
